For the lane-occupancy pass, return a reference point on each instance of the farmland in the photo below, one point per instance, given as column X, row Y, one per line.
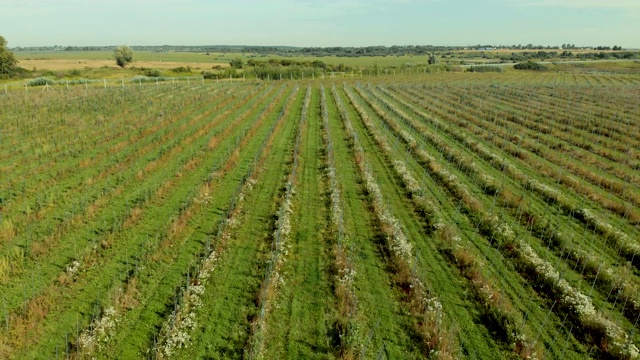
column 442, row 216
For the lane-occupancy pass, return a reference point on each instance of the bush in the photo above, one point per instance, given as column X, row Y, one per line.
column 152, row 73
column 40, row 81
column 497, row 69
column 140, row 78
column 182, row 69
column 17, row 73
column 80, row 81
column 529, row 65
column 49, row 73
column 236, row 63
column 210, row 75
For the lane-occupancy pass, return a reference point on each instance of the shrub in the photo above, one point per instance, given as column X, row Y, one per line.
column 497, row 69
column 236, row 63
column 152, row 73
column 182, row 69
column 209, row 75
column 530, row 65
column 49, row 73
column 40, row 81
column 140, row 78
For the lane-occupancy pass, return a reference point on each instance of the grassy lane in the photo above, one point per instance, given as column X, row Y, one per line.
column 561, row 115
column 534, row 207
column 582, row 288
column 383, row 324
column 568, row 201
column 126, row 247
column 230, row 302
column 486, row 172
column 299, row 326
column 445, row 282
column 552, row 139
column 37, row 222
column 617, row 108
column 610, row 174
column 533, row 164
column 51, row 156
column 96, row 129
column 47, row 214
column 273, row 275
column 54, row 125
column 576, row 243
column 510, row 285
column 140, row 324
column 101, row 223
column 177, row 329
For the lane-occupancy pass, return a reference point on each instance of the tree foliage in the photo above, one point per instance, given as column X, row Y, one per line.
column 486, row 68
column 529, row 65
column 433, row 59
column 123, row 55
column 236, row 63
column 7, row 59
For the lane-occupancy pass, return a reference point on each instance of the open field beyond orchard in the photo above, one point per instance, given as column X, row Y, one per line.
column 61, row 64
column 442, row 216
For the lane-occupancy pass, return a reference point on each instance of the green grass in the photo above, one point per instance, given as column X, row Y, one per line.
column 121, row 256
column 300, row 324
column 447, row 285
column 237, row 278
column 382, row 322
column 115, row 180
column 513, row 287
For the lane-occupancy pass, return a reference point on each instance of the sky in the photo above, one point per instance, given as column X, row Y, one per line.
column 321, row 22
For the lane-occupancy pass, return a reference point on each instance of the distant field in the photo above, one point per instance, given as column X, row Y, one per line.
column 108, row 55
column 213, row 58
column 61, row 65
column 100, row 65
column 440, row 216
column 62, row 60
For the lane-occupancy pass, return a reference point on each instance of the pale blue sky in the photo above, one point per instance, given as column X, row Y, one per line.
column 320, row 23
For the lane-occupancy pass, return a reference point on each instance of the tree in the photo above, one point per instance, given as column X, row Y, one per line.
column 433, row 59
column 7, row 60
column 123, row 55
column 236, row 63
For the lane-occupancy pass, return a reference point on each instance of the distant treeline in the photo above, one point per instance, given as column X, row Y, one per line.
column 269, row 50
column 543, row 55
column 308, row 64
column 396, row 50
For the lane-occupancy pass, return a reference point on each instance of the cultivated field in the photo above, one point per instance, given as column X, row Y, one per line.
column 433, row 216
